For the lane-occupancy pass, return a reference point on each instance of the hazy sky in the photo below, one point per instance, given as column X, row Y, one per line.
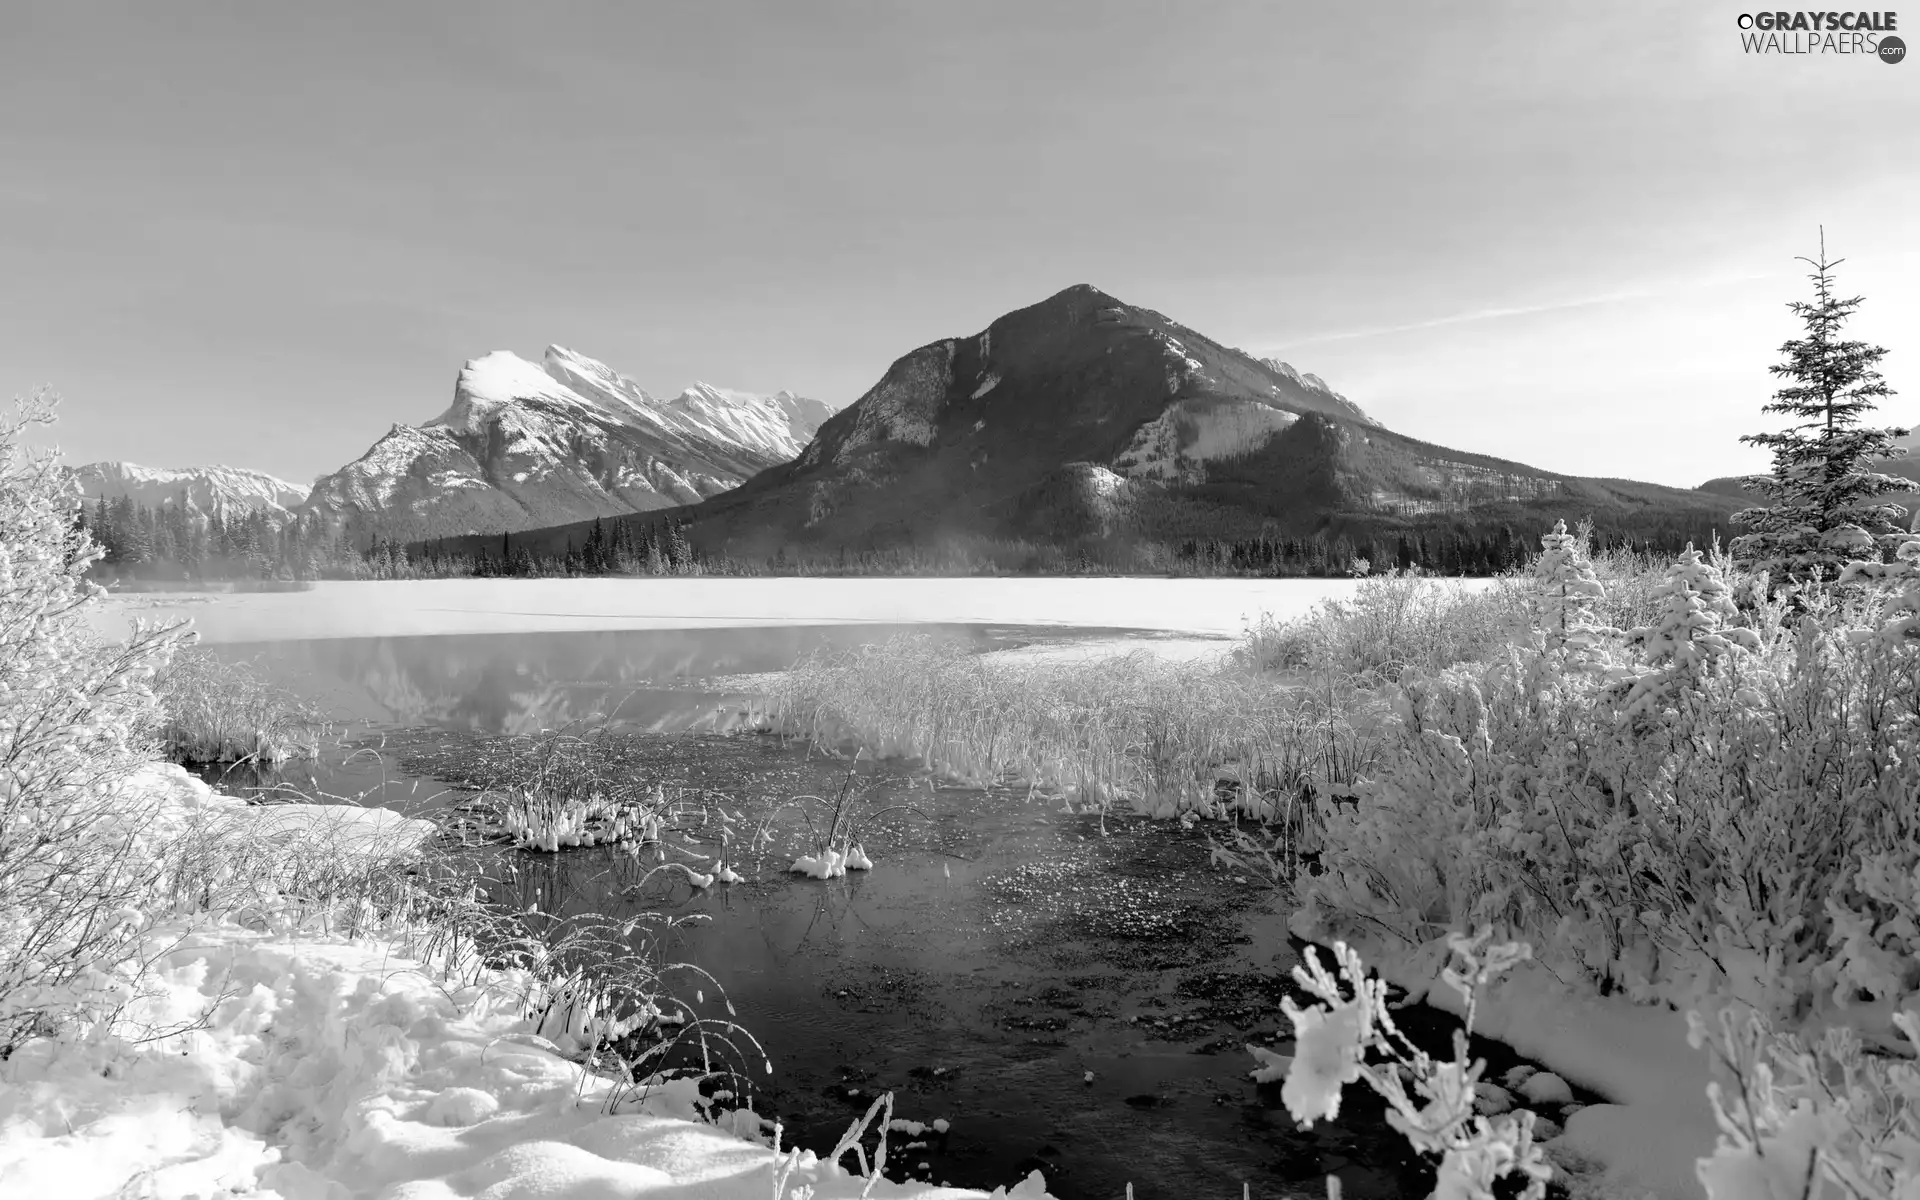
column 262, row 233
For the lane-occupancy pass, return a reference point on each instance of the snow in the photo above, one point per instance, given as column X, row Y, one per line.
column 1202, row 607
column 327, row 1068
column 769, row 424
column 831, row 864
column 904, row 406
column 340, row 830
column 1272, row 1069
column 1179, row 443
column 206, row 487
column 493, row 381
column 1658, row 1123
column 495, row 384
column 1546, row 1088
column 291, row 1067
column 987, row 384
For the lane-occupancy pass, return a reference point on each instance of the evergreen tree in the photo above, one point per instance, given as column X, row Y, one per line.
column 1689, row 635
column 679, row 550
column 1565, row 592
column 1826, row 509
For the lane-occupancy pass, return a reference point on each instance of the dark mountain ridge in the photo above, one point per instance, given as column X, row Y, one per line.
column 1082, row 420
column 979, row 436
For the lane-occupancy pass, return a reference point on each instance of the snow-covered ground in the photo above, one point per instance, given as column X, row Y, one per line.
column 317, row 1068
column 1658, row 1124
column 327, row 1069
column 1206, row 607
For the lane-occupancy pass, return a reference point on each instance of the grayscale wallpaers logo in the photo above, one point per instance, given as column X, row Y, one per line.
column 1867, row 34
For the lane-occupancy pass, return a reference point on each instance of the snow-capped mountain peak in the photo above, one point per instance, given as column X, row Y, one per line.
column 1313, row 383
column 493, row 381
column 528, row 443
column 206, row 488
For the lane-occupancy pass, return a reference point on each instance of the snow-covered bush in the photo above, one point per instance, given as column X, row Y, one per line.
column 75, row 864
column 1335, row 1038
column 1900, row 580
column 1392, row 623
column 1820, row 1120
column 1729, row 819
column 222, row 712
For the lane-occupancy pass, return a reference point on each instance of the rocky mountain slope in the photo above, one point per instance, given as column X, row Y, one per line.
column 1084, row 417
column 529, row 444
column 234, row 488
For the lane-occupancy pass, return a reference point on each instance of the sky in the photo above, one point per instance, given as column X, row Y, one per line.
column 263, row 234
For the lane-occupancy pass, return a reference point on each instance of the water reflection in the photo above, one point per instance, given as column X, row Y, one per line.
column 660, row 681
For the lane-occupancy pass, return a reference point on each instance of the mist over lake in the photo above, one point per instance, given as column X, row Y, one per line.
column 1205, row 607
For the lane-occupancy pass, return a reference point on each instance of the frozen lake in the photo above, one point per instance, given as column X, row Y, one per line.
column 1203, row 607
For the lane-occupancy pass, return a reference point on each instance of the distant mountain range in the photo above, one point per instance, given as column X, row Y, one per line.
column 206, row 488
column 523, row 445
column 1075, row 420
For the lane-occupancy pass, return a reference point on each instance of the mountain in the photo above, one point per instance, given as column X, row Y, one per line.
column 1906, row 468
column 234, row 488
column 1085, row 417
column 529, row 444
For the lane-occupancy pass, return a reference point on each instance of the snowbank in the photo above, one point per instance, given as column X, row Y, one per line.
column 321, row 1068
column 339, row 830
column 1659, row 1123
column 1216, row 607
column 328, row 1069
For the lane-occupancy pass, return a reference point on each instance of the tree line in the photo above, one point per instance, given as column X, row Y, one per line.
column 175, row 541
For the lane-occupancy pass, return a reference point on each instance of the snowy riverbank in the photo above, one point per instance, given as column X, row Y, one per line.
column 318, row 1068
column 323, row 1069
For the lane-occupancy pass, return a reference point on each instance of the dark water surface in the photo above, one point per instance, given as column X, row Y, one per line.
column 999, row 950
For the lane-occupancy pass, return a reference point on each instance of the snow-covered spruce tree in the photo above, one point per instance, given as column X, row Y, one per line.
column 1566, row 590
column 1690, row 634
column 1826, row 503
column 74, row 713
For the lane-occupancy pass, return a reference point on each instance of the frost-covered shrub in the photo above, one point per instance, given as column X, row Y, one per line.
column 1900, row 607
column 216, row 711
column 1335, row 1038
column 222, row 712
column 74, row 861
column 1810, row 1121
column 1705, row 828
column 1393, row 622
column 1630, row 581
